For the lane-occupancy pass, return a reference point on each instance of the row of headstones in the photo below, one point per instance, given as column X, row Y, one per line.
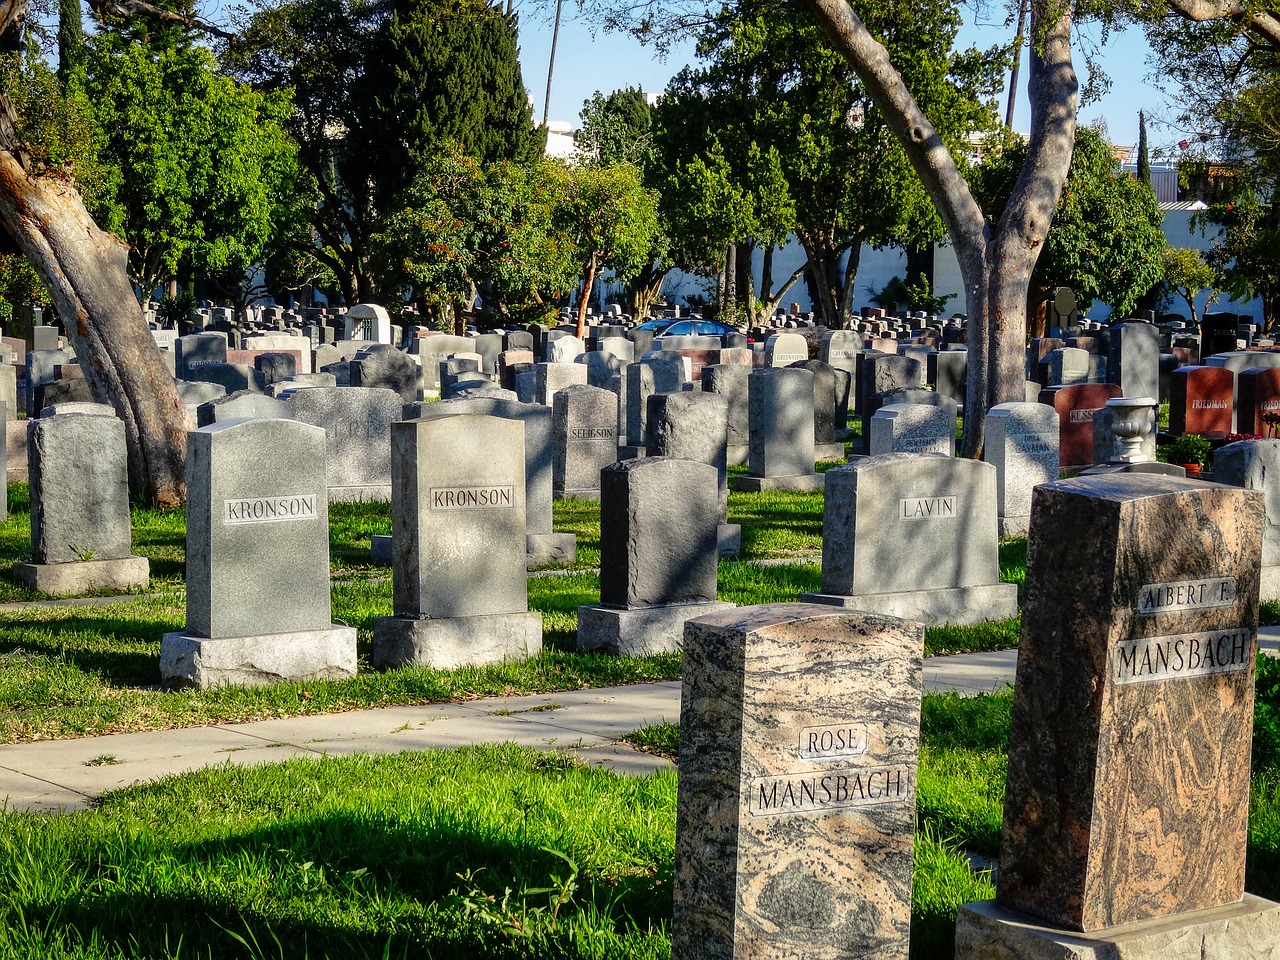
column 1125, row 825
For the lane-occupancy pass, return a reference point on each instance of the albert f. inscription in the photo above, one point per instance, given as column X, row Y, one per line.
column 270, row 509
column 818, row 792
column 1185, row 655
column 926, row 508
column 1154, row 598
column 461, row 498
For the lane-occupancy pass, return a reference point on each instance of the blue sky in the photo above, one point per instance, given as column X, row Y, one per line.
column 605, row 62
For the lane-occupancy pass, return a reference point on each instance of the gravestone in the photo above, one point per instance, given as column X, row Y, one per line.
column 1021, row 442
column 1133, row 359
column 1076, row 406
column 914, row 535
column 693, row 425
column 795, row 819
column 9, row 390
column 565, row 349
column 1201, row 400
column 879, row 373
column 80, row 535
column 458, row 541
column 585, row 440
column 275, row 367
column 387, row 368
column 730, row 382
column 431, row 350
column 780, row 400
column 784, row 349
column 488, row 346
column 644, row 379
column 233, row 377
column 258, row 607
column 950, row 374
column 368, row 321
column 1128, row 783
column 912, row 428
column 825, row 444
column 1254, row 465
column 554, row 377
column 357, row 422
column 1068, row 366
column 840, row 349
column 658, row 557
column 245, row 405
column 1257, row 396
column 199, row 350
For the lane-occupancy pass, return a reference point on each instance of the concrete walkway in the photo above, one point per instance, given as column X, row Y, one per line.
column 64, row 775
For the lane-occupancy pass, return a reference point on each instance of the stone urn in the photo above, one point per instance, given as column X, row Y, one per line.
column 1134, row 419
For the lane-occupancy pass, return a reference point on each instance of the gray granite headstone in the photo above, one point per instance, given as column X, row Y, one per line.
column 550, row 378
column 1255, row 465
column 565, row 349
column 232, row 376
column 1133, row 359
column 244, row 405
column 912, row 428
column 357, row 422
column 584, row 425
column 784, row 349
column 199, row 350
column 1022, row 444
column 729, row 380
column 388, row 368
column 692, row 426
column 781, row 423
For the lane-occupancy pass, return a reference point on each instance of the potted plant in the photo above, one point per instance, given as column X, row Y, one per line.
column 1190, row 451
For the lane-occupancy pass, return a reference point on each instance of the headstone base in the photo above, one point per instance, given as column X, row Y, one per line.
column 729, row 539
column 450, row 642
column 1248, row 930
column 374, row 492
column 737, row 454
column 959, row 605
column 1014, row 526
column 632, row 451
column 82, row 576
column 633, row 633
column 187, row 661
column 1148, row 466
column 545, row 548
column 845, row 434
column 828, row 451
column 800, row 483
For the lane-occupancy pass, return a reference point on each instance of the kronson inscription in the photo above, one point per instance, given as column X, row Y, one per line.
column 460, row 498
column 1154, row 598
column 819, row 792
column 832, row 741
column 1184, row 655
column 926, row 508
column 270, row 509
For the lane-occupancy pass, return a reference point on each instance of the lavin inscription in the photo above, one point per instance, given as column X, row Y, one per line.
column 818, row 792
column 1185, row 655
column 926, row 508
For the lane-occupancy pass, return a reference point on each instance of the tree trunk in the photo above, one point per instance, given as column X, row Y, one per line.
column 588, row 281
column 996, row 269
column 86, row 273
column 729, row 309
column 850, row 280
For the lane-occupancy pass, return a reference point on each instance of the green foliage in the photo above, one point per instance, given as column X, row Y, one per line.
column 617, row 128
column 610, row 217
column 177, row 308
column 19, row 284
column 1189, row 448
column 1186, row 273
column 917, row 295
column 1266, row 715
column 1245, row 256
column 1106, row 239
column 54, row 124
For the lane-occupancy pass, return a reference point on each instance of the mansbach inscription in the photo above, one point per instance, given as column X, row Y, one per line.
column 1184, row 655
column 819, row 792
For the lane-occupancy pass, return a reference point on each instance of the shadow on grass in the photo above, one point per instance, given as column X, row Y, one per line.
column 93, row 644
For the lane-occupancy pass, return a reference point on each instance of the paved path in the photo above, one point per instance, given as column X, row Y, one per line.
column 62, row 775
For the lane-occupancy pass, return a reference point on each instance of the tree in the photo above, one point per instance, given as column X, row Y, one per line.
column 1144, row 157
column 1106, row 239
column 378, row 89
column 1185, row 274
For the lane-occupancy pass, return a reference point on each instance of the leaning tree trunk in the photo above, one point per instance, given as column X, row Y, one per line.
column 86, row 273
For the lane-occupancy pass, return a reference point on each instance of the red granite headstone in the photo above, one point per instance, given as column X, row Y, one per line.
column 1258, row 394
column 1200, row 400
column 1076, row 406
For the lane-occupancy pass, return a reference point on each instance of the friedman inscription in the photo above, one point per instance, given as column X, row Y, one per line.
column 819, row 792
column 1185, row 655
column 1154, row 598
column 461, row 498
column 831, row 741
column 926, row 508
column 270, row 509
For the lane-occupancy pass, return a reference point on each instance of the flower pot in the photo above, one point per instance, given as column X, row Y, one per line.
column 1193, row 469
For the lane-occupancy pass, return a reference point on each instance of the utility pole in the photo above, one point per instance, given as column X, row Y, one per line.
column 1018, row 40
column 555, row 35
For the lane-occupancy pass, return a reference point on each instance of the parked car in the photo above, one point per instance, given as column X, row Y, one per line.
column 695, row 328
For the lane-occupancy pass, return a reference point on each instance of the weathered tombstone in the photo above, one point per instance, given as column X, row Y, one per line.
column 431, row 350
column 488, row 345
column 1201, row 401
column 781, row 423
column 649, row 376
column 693, row 425
column 1021, row 442
column 275, row 367
column 233, row 377
column 357, row 422
column 1068, row 366
column 1133, row 359
column 199, row 350
column 551, row 378
column 825, row 444
column 950, row 374
column 565, row 349
column 387, row 368
column 245, row 405
column 1076, row 406
column 658, row 558
column 912, row 428
column 730, row 382
column 914, row 535
column 795, row 819
column 80, row 535
column 258, row 608
column 879, row 373
column 458, row 540
column 9, row 390
column 585, row 440
column 1128, row 784
column 1254, row 465
column 784, row 349
column 1257, row 396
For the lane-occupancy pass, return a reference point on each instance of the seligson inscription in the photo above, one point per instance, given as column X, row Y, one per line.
column 591, row 433
column 832, row 740
column 1184, row 655
column 926, row 508
column 1154, row 598
column 460, row 498
column 270, row 509
column 819, row 792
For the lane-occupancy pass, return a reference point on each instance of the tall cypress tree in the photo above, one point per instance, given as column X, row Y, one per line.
column 1144, row 161
column 70, row 38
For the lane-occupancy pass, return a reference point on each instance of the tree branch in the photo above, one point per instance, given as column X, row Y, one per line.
column 127, row 9
column 1262, row 23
